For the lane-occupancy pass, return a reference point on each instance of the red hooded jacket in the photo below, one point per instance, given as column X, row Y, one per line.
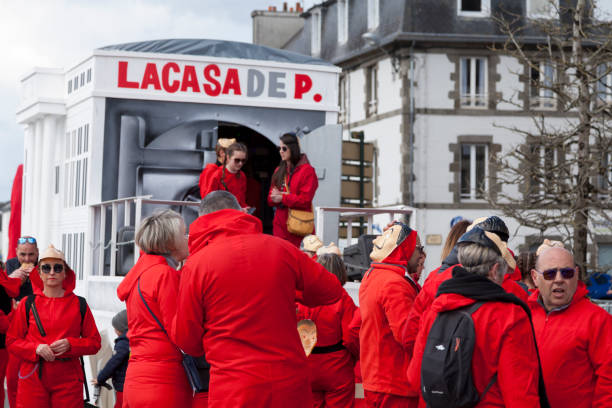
column 330, row 372
column 385, row 300
column 237, row 302
column 60, row 318
column 504, row 345
column 427, row 295
column 575, row 346
column 206, row 176
column 217, row 179
column 303, row 184
column 155, row 374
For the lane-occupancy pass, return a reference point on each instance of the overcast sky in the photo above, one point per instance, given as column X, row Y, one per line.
column 60, row 33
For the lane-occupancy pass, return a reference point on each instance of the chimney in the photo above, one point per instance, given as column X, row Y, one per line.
column 291, row 10
column 298, row 8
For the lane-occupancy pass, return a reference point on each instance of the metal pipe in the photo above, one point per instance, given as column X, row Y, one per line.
column 411, row 124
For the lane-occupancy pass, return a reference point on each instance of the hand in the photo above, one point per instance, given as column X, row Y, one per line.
column 20, row 274
column 45, row 352
column 275, row 191
column 94, row 381
column 59, row 347
column 276, row 198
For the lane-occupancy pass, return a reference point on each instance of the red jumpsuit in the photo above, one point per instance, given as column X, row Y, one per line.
column 303, row 184
column 504, row 346
column 427, row 295
column 236, row 301
column 217, row 179
column 575, row 345
column 9, row 288
column 385, row 300
column 58, row 383
column 331, row 373
column 155, row 376
column 206, row 176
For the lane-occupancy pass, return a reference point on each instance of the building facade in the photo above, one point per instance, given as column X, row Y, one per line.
column 421, row 80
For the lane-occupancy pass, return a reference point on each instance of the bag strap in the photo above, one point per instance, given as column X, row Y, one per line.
column 161, row 326
column 37, row 318
column 84, row 379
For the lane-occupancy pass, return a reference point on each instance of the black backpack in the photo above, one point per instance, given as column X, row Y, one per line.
column 446, row 371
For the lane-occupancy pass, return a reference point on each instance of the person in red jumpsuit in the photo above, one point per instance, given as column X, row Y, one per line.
column 155, row 376
column 574, row 335
column 236, row 302
column 9, row 289
column 294, row 184
column 50, row 374
column 230, row 177
column 332, row 359
column 211, row 168
column 386, row 294
column 444, row 272
column 505, row 358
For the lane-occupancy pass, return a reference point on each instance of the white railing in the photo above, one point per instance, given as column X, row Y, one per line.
column 98, row 216
column 351, row 214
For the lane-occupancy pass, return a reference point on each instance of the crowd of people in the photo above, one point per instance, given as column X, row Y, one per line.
column 212, row 317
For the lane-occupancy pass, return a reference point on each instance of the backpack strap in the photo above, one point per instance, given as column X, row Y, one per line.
column 470, row 310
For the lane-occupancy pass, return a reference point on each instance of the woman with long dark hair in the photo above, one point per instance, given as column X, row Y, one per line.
column 293, row 186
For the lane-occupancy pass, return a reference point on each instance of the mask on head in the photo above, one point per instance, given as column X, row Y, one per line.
column 395, row 245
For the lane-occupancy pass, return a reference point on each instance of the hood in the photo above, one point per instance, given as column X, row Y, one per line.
column 516, row 275
column 68, row 285
column 450, row 301
column 402, row 254
column 220, row 224
column 145, row 262
column 303, row 160
column 581, row 293
column 450, row 260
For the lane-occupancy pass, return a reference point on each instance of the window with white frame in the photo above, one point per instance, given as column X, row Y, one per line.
column 343, row 6
column 604, row 83
column 315, row 39
column 473, row 177
column 371, row 90
column 604, row 256
column 604, row 178
column 544, row 170
column 88, row 75
column 373, row 14
column 342, row 93
column 76, row 166
column 542, row 8
column 473, row 8
column 73, row 247
column 541, row 80
column 473, row 82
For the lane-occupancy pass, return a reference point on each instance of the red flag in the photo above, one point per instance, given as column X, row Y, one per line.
column 14, row 231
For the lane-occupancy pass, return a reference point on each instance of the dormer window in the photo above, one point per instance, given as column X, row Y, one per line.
column 473, row 8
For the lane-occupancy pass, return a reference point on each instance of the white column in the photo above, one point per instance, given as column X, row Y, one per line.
column 47, row 181
column 36, row 204
column 28, row 168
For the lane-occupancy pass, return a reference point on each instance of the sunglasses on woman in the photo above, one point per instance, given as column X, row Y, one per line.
column 238, row 161
column 550, row 274
column 57, row 268
column 283, row 148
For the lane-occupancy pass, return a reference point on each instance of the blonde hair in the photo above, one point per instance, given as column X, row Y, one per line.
column 453, row 236
column 159, row 232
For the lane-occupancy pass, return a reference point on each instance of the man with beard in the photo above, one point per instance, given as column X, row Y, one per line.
column 385, row 297
column 18, row 268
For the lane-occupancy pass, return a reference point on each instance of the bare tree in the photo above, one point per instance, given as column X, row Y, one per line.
column 562, row 168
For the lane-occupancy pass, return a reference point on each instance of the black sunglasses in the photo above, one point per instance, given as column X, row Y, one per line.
column 550, row 274
column 57, row 268
column 283, row 148
column 240, row 160
column 29, row 240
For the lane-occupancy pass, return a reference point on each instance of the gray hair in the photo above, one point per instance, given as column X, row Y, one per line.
column 479, row 259
column 218, row 200
column 159, row 232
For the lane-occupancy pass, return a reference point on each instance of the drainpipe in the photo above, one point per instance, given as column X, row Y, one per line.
column 411, row 123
